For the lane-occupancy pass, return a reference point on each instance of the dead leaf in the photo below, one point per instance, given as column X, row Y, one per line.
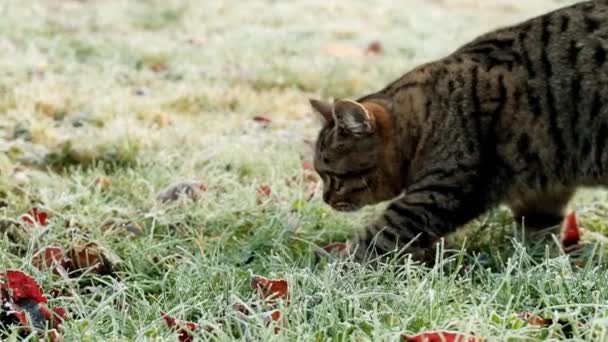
column 374, row 48
column 262, row 120
column 264, row 192
column 50, row 257
column 533, row 319
column 270, row 289
column 190, row 189
column 338, row 249
column 23, row 303
column 103, row 183
column 184, row 329
column 19, row 286
column 308, row 176
column 35, row 217
column 441, row 336
column 570, row 233
column 245, row 310
column 91, row 256
column 197, row 41
column 159, row 67
column 275, row 316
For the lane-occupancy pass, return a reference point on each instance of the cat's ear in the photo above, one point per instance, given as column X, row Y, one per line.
column 353, row 117
column 324, row 108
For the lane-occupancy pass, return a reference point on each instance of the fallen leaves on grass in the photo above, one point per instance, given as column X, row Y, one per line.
column 275, row 316
column 571, row 233
column 20, row 286
column 343, row 51
column 24, row 304
column 533, row 319
column 262, row 120
column 103, row 183
column 272, row 316
column 159, row 67
column 263, row 192
column 50, row 257
column 184, row 329
column 270, row 289
column 78, row 258
column 35, row 217
column 441, row 336
column 189, row 189
column 308, row 177
column 338, row 249
column 374, row 48
column 92, row 257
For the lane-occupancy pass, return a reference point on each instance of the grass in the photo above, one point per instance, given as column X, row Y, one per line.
column 149, row 93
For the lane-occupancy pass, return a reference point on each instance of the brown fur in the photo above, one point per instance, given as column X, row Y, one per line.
column 518, row 116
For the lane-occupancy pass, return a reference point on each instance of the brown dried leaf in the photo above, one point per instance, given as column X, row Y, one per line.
column 103, row 183
column 94, row 257
column 374, row 48
column 270, row 289
column 190, row 189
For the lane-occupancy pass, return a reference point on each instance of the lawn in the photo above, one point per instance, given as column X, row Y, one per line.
column 103, row 104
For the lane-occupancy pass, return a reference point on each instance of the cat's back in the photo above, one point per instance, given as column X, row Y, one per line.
column 570, row 38
column 555, row 74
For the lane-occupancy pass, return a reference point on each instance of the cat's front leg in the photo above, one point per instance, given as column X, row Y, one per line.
column 413, row 223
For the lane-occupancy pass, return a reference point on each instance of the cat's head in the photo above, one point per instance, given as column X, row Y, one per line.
column 356, row 153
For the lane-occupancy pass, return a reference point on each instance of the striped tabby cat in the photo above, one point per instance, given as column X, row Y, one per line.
column 519, row 117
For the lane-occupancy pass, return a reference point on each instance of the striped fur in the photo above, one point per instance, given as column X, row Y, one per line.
column 519, row 116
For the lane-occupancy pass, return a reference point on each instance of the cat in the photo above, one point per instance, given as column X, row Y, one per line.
column 519, row 117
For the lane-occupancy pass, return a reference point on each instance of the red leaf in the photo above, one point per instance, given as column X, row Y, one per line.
column 103, row 183
column 270, row 289
column 275, row 316
column 263, row 192
column 374, row 48
column 20, row 286
column 338, row 249
column 24, row 303
column 49, row 257
column 21, row 316
column 571, row 234
column 56, row 315
column 533, row 319
column 34, row 216
column 59, row 311
column 265, row 121
column 441, row 336
column 184, row 329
